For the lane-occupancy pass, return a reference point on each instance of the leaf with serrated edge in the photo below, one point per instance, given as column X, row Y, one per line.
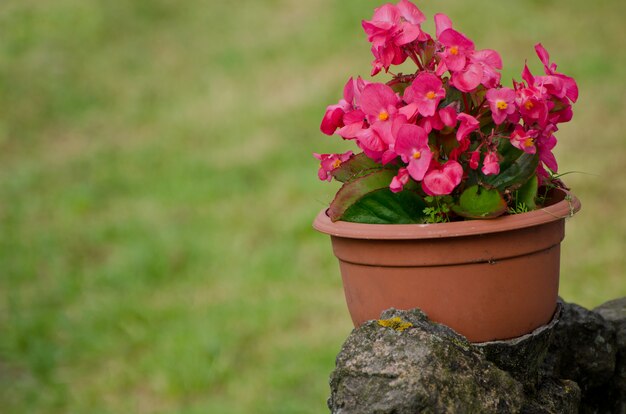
column 353, row 190
column 357, row 166
column 515, row 175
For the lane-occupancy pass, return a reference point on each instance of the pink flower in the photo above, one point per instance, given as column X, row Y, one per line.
column 502, row 103
column 372, row 142
column 431, row 122
column 532, row 106
column 353, row 122
column 456, row 152
column 468, row 125
column 490, row 62
column 474, row 159
column 425, row 92
column 442, row 180
column 545, row 144
column 524, row 140
column 442, row 23
column 412, row 146
column 491, row 165
column 333, row 118
column 468, row 79
column 399, row 181
column 569, row 84
column 448, row 116
column 378, row 141
column 330, row 162
column 343, row 114
column 457, row 49
column 379, row 102
column 391, row 28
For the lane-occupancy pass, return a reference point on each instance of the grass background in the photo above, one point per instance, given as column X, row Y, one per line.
column 157, row 189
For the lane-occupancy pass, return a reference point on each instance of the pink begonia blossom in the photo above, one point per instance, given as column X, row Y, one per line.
column 344, row 115
column 353, row 122
column 469, row 78
column 371, row 141
column 379, row 102
column 391, row 28
column 442, row 23
column 425, row 93
column 399, row 181
column 571, row 88
column 561, row 113
column 378, row 141
column 457, row 49
column 532, row 106
column 442, row 180
column 448, row 116
column 545, row 145
column 352, row 90
column 429, row 123
column 468, row 125
column 474, row 159
column 491, row 165
column 456, row 153
column 330, row 162
column 333, row 118
column 490, row 62
column 524, row 140
column 412, row 146
column 502, row 103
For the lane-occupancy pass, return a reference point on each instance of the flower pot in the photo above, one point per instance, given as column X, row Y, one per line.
column 487, row 279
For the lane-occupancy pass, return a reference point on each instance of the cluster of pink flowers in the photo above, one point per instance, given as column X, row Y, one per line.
column 448, row 117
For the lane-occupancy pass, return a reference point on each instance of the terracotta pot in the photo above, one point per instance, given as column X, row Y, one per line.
column 486, row 279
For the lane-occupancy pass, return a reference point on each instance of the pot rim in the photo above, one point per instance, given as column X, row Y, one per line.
column 560, row 210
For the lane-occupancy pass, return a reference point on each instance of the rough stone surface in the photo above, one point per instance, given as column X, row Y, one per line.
column 615, row 312
column 404, row 363
column 523, row 357
column 554, row 396
column 585, row 350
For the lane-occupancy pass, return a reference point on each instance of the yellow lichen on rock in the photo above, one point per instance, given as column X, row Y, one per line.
column 395, row 323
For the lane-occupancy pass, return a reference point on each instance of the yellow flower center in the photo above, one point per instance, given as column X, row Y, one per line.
column 417, row 155
column 529, row 142
column 454, row 50
column 528, row 105
column 501, row 105
column 431, row 95
column 383, row 116
column 336, row 163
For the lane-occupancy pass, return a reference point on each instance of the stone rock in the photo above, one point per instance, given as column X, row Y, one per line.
column 405, row 363
column 523, row 357
column 583, row 348
column 554, row 396
column 615, row 312
column 424, row 367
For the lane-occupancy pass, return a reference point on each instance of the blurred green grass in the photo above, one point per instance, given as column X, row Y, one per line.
column 157, row 189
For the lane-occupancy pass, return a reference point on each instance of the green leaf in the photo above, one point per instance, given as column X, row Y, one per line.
column 527, row 193
column 384, row 207
column 478, row 202
column 368, row 199
column 515, row 169
column 357, row 166
column 400, row 87
column 453, row 95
